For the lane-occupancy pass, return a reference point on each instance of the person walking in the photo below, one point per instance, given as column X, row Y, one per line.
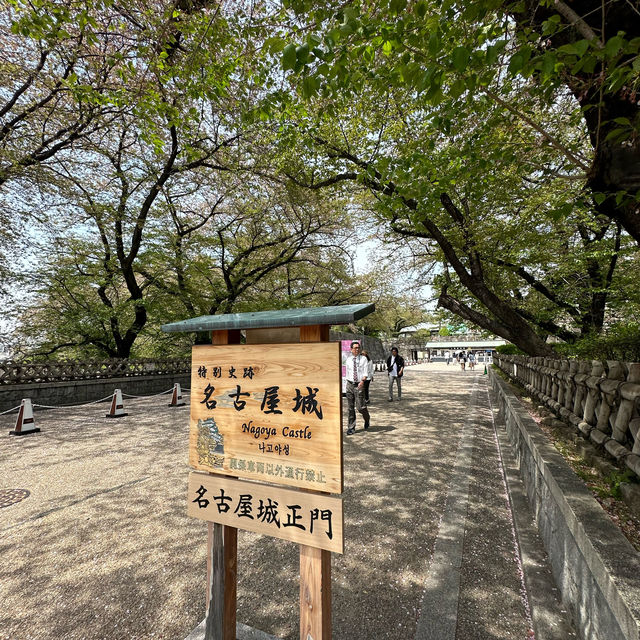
column 472, row 360
column 367, row 382
column 463, row 360
column 447, row 357
column 357, row 372
column 395, row 369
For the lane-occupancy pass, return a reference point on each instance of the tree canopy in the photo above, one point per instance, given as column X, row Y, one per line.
column 174, row 159
column 467, row 126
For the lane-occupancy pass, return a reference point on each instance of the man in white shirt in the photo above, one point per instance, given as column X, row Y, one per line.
column 357, row 373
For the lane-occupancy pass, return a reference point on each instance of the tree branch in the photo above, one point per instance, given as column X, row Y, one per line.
column 576, row 21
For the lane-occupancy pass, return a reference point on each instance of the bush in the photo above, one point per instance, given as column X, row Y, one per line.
column 620, row 342
column 509, row 350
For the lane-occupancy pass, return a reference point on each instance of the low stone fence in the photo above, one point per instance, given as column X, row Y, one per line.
column 53, row 384
column 595, row 567
column 14, row 372
column 600, row 399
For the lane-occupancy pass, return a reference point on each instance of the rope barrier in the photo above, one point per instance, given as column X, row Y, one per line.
column 87, row 404
column 153, row 395
column 64, row 406
column 9, row 410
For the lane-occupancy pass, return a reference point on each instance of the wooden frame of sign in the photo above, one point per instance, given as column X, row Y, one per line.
column 315, row 562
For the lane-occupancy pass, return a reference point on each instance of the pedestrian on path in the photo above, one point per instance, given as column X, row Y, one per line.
column 357, row 372
column 395, row 369
column 367, row 382
column 472, row 360
column 463, row 360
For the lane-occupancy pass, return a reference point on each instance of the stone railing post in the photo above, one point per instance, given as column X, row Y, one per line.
column 563, row 374
column 581, row 391
column 570, row 390
column 629, row 394
column 610, row 394
column 548, row 379
column 555, row 382
column 593, row 393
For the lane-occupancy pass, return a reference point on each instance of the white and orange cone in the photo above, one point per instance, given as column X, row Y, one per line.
column 117, row 406
column 176, row 396
column 25, row 423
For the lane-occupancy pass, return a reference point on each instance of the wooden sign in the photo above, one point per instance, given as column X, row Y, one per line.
column 269, row 412
column 312, row 519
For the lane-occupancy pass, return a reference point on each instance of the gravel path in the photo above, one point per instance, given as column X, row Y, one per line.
column 102, row 548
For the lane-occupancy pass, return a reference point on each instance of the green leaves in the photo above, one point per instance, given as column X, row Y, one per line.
column 519, row 59
column 460, row 58
column 614, row 45
column 397, row 6
column 310, row 86
column 275, row 44
column 457, row 88
column 578, row 48
column 289, row 57
column 295, row 58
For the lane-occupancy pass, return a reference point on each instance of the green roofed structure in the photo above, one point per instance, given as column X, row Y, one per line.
column 343, row 314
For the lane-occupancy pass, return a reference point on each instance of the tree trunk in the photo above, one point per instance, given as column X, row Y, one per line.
column 616, row 164
column 523, row 336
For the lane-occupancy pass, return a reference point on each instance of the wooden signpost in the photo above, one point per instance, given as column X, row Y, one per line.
column 267, row 413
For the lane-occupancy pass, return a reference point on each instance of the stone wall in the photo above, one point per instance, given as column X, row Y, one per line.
column 16, row 372
column 73, row 392
column 596, row 569
column 53, row 384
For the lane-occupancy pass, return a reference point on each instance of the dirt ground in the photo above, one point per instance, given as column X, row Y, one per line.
column 102, row 548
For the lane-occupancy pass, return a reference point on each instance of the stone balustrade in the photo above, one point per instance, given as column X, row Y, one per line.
column 13, row 372
column 600, row 399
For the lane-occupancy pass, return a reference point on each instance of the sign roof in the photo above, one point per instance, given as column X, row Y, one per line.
column 343, row 314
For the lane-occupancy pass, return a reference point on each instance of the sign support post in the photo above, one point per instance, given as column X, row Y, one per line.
column 222, row 555
column 315, row 564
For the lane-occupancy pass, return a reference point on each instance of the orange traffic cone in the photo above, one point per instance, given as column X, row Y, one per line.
column 25, row 423
column 176, row 396
column 117, row 406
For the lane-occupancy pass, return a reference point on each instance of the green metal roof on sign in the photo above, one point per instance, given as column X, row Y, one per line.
column 343, row 314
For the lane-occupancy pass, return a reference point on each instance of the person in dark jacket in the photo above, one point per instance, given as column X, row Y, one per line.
column 395, row 369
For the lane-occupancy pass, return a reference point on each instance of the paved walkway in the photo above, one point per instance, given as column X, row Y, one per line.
column 435, row 546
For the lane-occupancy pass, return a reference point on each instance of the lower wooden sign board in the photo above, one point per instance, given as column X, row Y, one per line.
column 307, row 518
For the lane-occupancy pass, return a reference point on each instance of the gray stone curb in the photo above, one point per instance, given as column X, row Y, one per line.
column 550, row 621
column 595, row 567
